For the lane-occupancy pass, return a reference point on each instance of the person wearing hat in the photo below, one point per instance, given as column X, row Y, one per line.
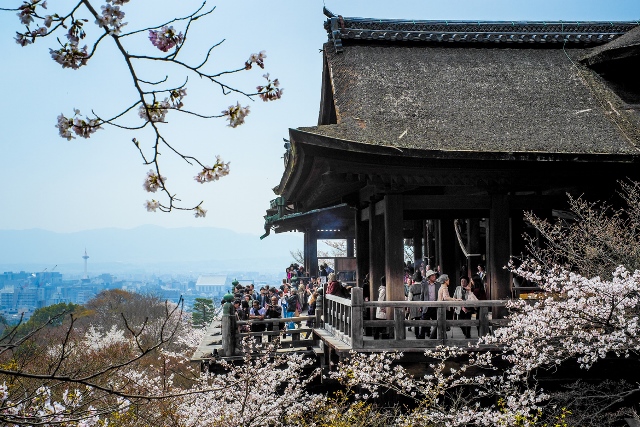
column 430, row 289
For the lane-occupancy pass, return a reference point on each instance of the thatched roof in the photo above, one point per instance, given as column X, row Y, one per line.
column 624, row 46
column 476, row 98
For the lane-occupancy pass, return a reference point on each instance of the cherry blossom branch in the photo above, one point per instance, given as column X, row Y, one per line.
column 151, row 108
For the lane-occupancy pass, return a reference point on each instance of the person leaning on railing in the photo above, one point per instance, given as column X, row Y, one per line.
column 274, row 311
column 443, row 294
column 415, row 294
column 257, row 313
column 464, row 293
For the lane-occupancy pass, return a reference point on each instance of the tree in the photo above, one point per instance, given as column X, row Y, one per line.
column 202, row 312
column 84, row 29
column 596, row 240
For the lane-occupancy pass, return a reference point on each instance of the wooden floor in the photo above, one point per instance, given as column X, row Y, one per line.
column 321, row 341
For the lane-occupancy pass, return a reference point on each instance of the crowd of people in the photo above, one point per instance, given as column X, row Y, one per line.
column 295, row 297
column 425, row 284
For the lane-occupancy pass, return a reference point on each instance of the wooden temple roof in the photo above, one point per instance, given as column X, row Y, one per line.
column 516, row 95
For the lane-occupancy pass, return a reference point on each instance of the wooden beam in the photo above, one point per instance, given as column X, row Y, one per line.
column 445, row 203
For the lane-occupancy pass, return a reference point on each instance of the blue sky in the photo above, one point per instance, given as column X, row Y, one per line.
column 59, row 185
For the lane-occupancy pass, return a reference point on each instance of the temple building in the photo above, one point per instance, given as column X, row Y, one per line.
column 442, row 133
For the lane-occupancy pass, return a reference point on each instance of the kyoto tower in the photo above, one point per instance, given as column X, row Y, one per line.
column 85, row 257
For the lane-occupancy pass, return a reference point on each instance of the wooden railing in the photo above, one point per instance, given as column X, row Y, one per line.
column 232, row 336
column 344, row 320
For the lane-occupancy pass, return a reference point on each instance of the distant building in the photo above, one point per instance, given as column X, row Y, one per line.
column 213, row 285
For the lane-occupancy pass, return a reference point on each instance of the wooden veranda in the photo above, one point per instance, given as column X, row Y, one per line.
column 340, row 325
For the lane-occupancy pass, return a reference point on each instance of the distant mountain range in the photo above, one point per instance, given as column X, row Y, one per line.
column 145, row 249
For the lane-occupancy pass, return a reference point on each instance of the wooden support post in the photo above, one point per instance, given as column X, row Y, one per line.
column 376, row 252
column 228, row 328
column 357, row 303
column 518, row 245
column 400, row 332
column 394, row 250
column 350, row 251
column 447, row 256
column 473, row 246
column 362, row 252
column 312, row 268
column 483, row 317
column 499, row 245
column 442, row 323
column 418, row 229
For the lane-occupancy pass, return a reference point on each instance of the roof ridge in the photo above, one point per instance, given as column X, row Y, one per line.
column 340, row 28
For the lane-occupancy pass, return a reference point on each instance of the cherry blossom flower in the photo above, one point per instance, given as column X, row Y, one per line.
column 236, row 114
column 29, row 37
column 255, row 58
column 157, row 110
column 199, row 212
column 209, row 174
column 176, row 96
column 69, row 56
column 111, row 19
column 76, row 31
column 28, row 9
column 165, row 38
column 153, row 182
column 151, row 205
column 23, row 39
column 81, row 127
column 271, row 91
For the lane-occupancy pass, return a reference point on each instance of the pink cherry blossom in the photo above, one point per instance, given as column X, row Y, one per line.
column 271, row 91
column 111, row 19
column 69, row 56
column 255, row 58
column 152, row 205
column 165, row 38
column 199, row 212
column 236, row 114
column 214, row 173
column 157, row 111
column 153, row 182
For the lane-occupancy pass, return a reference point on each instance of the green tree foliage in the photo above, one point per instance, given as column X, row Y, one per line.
column 202, row 312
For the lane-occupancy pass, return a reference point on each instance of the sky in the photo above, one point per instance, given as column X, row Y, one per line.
column 50, row 183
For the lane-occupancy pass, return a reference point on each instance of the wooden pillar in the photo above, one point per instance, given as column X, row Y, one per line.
column 228, row 329
column 498, row 247
column 312, row 237
column 362, row 251
column 473, row 245
column 447, row 243
column 517, row 230
column 418, row 229
column 356, row 318
column 394, row 250
column 376, row 251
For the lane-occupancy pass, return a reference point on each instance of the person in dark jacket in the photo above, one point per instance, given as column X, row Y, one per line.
column 430, row 289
